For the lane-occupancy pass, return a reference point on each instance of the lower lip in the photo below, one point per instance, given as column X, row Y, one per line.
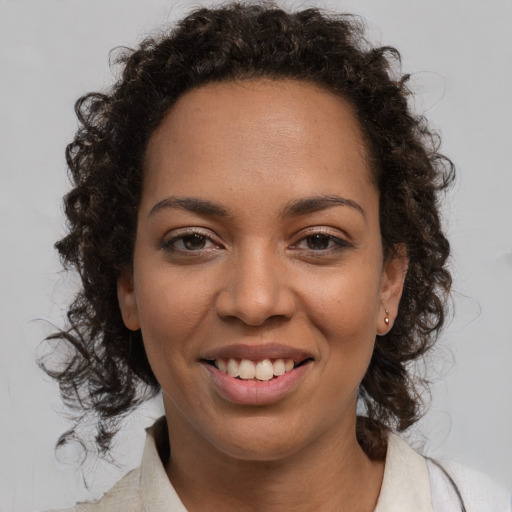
column 253, row 392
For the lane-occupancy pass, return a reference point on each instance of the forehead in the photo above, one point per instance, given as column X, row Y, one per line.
column 272, row 129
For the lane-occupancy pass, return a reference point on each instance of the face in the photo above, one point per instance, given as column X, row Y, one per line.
column 258, row 253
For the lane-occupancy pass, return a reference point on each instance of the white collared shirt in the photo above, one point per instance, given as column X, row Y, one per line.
column 410, row 484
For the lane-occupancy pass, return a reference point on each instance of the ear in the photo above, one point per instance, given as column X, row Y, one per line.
column 127, row 300
column 392, row 285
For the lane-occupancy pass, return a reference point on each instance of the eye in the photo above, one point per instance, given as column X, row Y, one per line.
column 193, row 242
column 189, row 242
column 320, row 242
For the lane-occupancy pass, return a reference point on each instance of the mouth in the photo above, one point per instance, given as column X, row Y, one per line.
column 257, row 375
column 262, row 370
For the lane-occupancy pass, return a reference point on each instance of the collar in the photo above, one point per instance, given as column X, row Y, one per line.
column 405, row 486
column 156, row 491
column 406, row 483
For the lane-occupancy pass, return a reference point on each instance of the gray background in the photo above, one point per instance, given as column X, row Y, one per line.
column 51, row 51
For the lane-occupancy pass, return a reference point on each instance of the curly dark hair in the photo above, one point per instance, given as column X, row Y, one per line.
column 107, row 372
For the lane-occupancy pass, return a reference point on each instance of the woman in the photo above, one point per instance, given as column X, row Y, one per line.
column 255, row 221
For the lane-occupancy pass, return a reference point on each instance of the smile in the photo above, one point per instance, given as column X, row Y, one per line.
column 256, row 375
column 263, row 370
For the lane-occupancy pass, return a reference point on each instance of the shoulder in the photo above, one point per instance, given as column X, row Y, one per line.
column 414, row 482
column 123, row 497
column 145, row 488
column 478, row 492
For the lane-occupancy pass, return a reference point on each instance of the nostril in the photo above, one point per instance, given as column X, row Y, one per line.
column 254, row 322
column 255, row 299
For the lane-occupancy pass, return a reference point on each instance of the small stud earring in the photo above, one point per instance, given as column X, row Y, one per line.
column 386, row 319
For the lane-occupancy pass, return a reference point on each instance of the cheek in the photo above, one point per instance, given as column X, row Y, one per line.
column 343, row 309
column 170, row 318
column 171, row 311
column 344, row 304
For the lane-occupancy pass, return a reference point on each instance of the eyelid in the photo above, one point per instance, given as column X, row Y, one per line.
column 322, row 230
column 180, row 233
column 341, row 240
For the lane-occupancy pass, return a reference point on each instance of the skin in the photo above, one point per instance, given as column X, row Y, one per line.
column 262, row 274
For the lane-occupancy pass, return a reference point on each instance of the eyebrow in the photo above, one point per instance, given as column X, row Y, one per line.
column 294, row 209
column 319, row 203
column 191, row 204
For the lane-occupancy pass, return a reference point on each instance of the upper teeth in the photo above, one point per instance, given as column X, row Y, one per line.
column 261, row 370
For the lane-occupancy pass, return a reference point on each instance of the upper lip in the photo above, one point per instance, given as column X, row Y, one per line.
column 256, row 352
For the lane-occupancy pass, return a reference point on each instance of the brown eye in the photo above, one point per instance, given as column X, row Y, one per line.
column 321, row 244
column 318, row 242
column 189, row 243
column 194, row 242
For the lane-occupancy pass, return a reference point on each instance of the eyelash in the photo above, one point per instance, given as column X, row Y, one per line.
column 169, row 245
column 335, row 243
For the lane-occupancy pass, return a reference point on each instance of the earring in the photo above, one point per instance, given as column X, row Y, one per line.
column 386, row 318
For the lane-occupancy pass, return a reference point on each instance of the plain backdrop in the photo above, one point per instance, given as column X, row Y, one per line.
column 52, row 51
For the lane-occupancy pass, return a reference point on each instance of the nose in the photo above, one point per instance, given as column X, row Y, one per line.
column 256, row 290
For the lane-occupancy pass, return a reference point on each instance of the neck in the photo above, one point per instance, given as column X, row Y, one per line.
column 333, row 473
